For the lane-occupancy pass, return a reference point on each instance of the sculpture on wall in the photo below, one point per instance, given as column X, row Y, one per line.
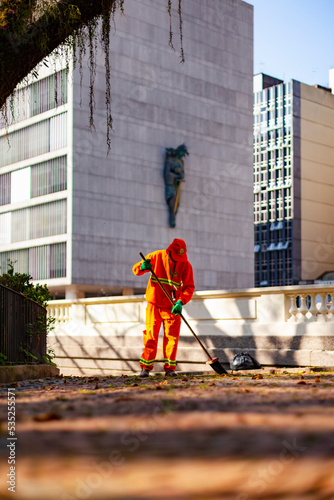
column 174, row 176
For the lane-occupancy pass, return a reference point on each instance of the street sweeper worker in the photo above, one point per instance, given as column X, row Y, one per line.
column 175, row 273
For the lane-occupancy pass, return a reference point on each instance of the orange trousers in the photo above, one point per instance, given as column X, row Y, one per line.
column 172, row 325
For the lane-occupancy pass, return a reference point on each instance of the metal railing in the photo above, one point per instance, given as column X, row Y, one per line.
column 22, row 328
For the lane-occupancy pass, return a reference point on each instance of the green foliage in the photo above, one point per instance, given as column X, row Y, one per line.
column 77, row 25
column 49, row 357
column 3, row 358
column 28, row 354
column 21, row 282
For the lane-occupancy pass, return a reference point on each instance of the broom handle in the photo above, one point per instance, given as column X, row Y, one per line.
column 171, row 301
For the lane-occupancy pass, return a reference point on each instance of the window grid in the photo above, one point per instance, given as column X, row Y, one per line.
column 36, row 98
column 5, row 188
column 39, row 221
column 273, row 170
column 43, row 262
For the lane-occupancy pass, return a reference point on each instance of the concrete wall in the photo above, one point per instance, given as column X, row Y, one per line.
column 101, row 336
column 317, row 180
column 118, row 200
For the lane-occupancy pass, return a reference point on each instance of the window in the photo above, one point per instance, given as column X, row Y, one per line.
column 47, row 135
column 36, row 98
column 49, row 177
column 5, row 188
column 5, row 228
column 58, row 260
column 279, row 204
column 42, row 262
column 48, row 93
column 20, row 185
column 38, row 221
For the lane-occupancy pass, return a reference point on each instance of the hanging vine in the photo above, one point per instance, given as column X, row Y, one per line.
column 39, row 26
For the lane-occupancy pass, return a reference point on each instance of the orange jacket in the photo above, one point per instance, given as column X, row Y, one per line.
column 177, row 276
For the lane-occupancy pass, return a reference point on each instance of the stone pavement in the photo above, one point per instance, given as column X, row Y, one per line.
column 247, row 435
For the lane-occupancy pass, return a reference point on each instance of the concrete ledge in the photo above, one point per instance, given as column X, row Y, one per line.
column 24, row 372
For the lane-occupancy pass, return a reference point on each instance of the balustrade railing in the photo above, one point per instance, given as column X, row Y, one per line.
column 299, row 304
column 310, row 306
column 61, row 312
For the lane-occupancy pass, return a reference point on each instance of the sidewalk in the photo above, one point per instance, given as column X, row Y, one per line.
column 194, row 437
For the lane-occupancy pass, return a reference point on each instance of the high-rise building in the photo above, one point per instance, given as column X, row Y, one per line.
column 75, row 217
column 293, row 181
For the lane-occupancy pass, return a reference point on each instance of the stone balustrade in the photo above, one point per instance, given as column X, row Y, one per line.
column 281, row 326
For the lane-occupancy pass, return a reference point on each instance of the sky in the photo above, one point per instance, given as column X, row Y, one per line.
column 294, row 39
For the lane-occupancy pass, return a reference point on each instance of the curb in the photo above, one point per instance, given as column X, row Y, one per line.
column 23, row 372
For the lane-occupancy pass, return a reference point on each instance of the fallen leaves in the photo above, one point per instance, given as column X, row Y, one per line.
column 161, row 386
column 257, row 376
column 46, row 417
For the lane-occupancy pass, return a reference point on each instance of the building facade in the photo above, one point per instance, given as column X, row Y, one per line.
column 76, row 217
column 293, row 181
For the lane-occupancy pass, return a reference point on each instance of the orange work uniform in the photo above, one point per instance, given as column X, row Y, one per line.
column 177, row 277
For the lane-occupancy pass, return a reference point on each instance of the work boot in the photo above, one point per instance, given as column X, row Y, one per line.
column 144, row 373
column 170, row 373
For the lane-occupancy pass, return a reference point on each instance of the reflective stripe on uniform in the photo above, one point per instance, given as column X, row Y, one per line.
column 170, row 362
column 147, row 363
column 165, row 281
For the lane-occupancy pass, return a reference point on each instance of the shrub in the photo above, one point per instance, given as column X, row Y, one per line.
column 21, row 282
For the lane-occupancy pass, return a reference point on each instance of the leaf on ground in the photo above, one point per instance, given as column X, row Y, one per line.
column 258, row 376
column 134, row 385
column 46, row 417
column 302, row 382
column 49, row 387
column 317, row 380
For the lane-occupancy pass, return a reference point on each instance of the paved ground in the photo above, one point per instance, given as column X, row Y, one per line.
column 203, row 437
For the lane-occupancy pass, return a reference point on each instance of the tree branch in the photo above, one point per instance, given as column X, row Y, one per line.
column 19, row 54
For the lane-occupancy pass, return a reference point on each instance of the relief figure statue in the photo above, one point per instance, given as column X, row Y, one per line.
column 174, row 176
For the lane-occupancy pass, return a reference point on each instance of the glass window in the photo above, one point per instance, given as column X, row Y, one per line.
column 58, row 260
column 20, row 185
column 5, row 228
column 42, row 262
column 48, row 93
column 5, row 188
column 49, row 177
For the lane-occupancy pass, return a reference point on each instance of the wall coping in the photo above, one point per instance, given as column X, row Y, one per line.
column 210, row 294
